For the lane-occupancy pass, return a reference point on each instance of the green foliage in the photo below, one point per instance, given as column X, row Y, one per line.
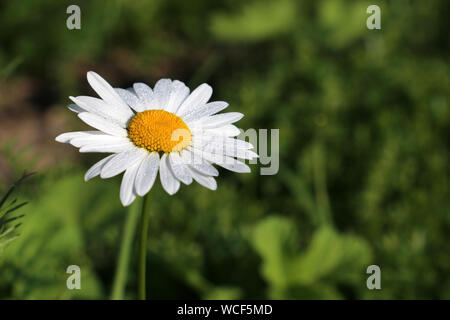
column 9, row 220
column 52, row 239
column 330, row 259
column 364, row 124
column 344, row 21
column 256, row 21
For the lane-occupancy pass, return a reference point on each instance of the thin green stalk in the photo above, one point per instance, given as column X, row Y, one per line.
column 123, row 262
column 145, row 215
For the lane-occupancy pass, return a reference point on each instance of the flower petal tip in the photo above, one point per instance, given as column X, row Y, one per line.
column 62, row 138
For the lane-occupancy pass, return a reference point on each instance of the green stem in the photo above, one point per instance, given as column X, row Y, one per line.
column 123, row 262
column 320, row 185
column 145, row 215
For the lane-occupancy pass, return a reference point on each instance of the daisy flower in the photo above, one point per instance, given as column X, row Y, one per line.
column 167, row 129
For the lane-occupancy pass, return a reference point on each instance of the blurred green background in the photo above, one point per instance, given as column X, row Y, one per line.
column 364, row 149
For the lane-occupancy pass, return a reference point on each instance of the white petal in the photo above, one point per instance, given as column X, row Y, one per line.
column 206, row 169
column 162, row 92
column 147, row 173
column 90, row 104
column 231, row 151
column 108, row 148
column 102, row 124
column 206, row 181
column 96, row 168
column 97, row 139
column 224, row 145
column 241, row 154
column 223, row 161
column 199, row 153
column 67, row 136
column 131, row 99
column 101, row 108
column 235, row 165
column 177, row 96
column 127, row 195
column 144, row 92
column 240, row 144
column 168, row 180
column 203, row 110
column 222, row 119
column 179, row 169
column 120, row 162
column 131, row 199
column 75, row 108
column 201, row 165
column 106, row 92
column 228, row 130
column 222, row 141
column 199, row 96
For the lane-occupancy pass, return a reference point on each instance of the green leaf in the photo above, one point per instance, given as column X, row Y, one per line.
column 328, row 252
column 270, row 239
column 255, row 22
column 292, row 272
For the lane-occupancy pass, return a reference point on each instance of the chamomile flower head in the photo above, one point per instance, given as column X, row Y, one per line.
column 167, row 129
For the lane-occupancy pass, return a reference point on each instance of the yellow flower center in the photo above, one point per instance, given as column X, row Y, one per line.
column 159, row 130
